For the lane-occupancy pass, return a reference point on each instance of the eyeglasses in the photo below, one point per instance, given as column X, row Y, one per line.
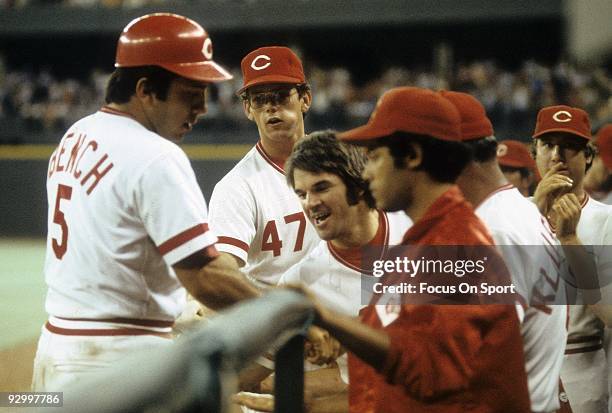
column 275, row 97
column 568, row 149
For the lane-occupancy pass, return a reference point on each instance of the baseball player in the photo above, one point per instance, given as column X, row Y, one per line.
column 598, row 180
column 419, row 358
column 517, row 165
column 326, row 176
column 563, row 154
column 257, row 217
column 598, row 183
column 533, row 259
column 127, row 224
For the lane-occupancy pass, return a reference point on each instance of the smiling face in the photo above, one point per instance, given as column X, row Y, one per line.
column 564, row 152
column 277, row 110
column 175, row 116
column 324, row 199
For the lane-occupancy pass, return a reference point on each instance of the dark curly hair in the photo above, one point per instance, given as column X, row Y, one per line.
column 321, row 152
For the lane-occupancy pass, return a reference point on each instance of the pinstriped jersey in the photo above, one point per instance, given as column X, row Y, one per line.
column 124, row 205
column 595, row 232
column 535, row 265
column 584, row 353
column 335, row 278
column 259, row 219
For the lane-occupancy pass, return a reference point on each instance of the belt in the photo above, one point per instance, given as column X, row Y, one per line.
column 109, row 327
column 584, row 344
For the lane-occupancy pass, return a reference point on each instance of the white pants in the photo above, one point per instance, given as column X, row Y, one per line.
column 64, row 360
column 585, row 380
column 608, row 348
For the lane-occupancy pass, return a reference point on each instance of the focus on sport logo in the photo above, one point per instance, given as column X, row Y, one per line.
column 255, row 65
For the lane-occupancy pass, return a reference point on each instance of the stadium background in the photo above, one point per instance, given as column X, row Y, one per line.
column 55, row 56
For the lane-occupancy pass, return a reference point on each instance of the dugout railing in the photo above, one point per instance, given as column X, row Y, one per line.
column 198, row 373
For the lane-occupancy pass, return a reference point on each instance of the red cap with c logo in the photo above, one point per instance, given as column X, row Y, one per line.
column 563, row 118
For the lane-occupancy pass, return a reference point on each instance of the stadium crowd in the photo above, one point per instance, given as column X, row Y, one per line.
column 44, row 104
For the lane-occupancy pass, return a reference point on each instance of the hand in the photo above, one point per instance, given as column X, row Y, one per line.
column 565, row 215
column 552, row 185
column 255, row 401
column 320, row 311
column 320, row 347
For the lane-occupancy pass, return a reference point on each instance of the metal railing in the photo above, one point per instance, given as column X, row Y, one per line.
column 198, row 373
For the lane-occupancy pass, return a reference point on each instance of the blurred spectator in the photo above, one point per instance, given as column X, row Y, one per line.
column 46, row 104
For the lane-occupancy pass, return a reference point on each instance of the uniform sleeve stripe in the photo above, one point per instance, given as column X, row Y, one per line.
column 182, row 238
column 235, row 242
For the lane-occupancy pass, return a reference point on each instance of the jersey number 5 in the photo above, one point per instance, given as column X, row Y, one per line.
column 59, row 248
column 271, row 240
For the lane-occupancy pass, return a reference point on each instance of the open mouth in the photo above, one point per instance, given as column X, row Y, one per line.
column 187, row 126
column 274, row 121
column 319, row 217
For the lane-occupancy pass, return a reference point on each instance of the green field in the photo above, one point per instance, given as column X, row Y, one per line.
column 22, row 290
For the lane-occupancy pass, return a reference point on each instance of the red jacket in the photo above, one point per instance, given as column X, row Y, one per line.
column 445, row 358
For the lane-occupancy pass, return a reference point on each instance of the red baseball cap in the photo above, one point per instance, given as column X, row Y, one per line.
column 271, row 64
column 413, row 110
column 604, row 145
column 515, row 154
column 563, row 118
column 474, row 121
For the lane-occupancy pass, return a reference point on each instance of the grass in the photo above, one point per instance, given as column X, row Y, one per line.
column 22, row 290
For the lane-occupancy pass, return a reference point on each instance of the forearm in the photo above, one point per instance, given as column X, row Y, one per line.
column 370, row 345
column 251, row 377
column 324, row 382
column 218, row 284
column 337, row 403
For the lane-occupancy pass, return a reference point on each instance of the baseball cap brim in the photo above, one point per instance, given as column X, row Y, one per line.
column 363, row 134
column 208, row 71
column 270, row 79
column 566, row 130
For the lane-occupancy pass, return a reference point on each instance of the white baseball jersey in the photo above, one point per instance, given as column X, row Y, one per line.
column 334, row 275
column 535, row 265
column 585, row 374
column 259, row 219
column 124, row 205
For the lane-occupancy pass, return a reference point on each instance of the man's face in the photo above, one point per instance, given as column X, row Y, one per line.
column 174, row 117
column 324, row 199
column 277, row 111
column 521, row 180
column 389, row 185
column 597, row 175
column 565, row 153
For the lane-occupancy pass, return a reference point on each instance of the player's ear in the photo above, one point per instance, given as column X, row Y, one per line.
column 414, row 155
column 306, row 100
column 246, row 106
column 143, row 89
column 589, row 155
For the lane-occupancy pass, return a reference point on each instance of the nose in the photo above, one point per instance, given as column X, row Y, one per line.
column 271, row 106
column 557, row 153
column 312, row 200
column 199, row 107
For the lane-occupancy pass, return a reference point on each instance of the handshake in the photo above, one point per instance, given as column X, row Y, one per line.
column 321, row 348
